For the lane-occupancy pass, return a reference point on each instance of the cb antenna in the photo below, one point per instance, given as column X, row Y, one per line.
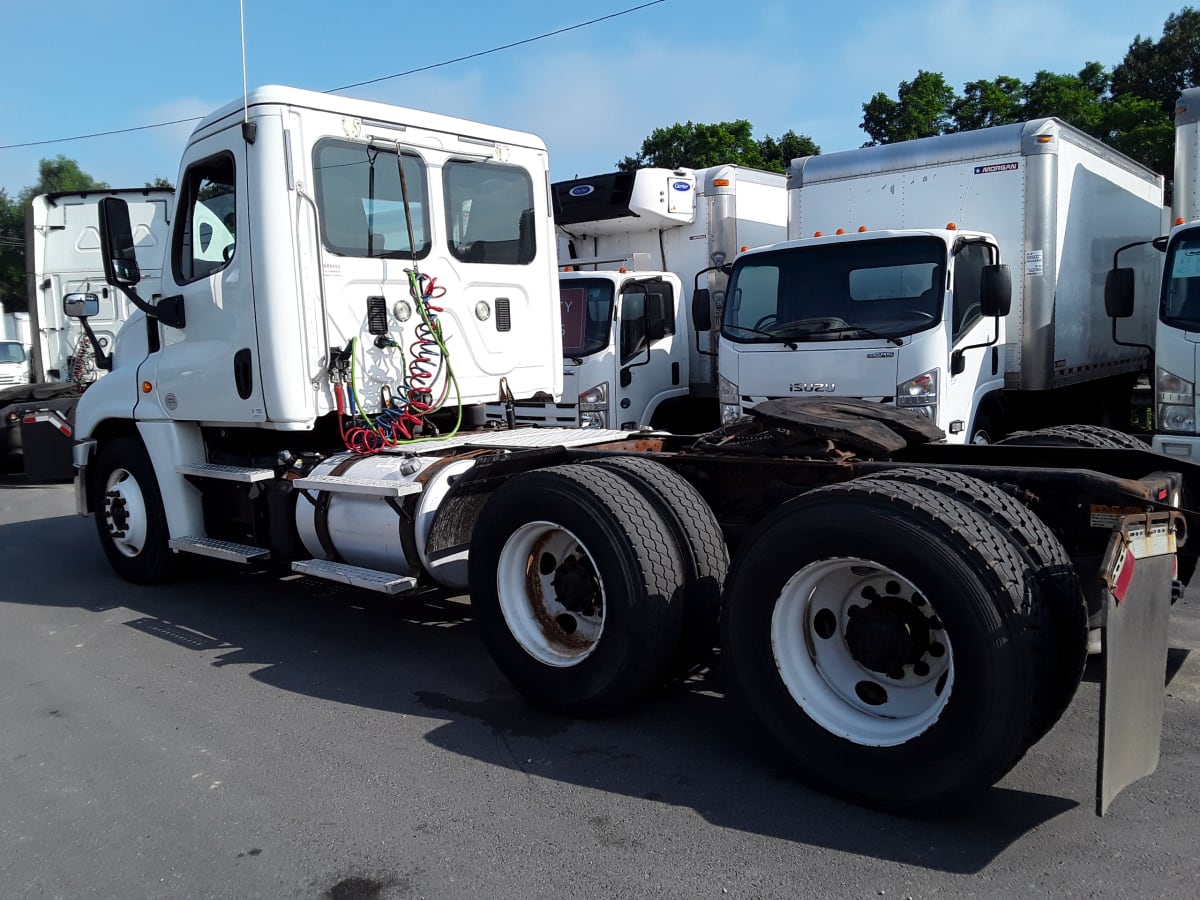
column 248, row 127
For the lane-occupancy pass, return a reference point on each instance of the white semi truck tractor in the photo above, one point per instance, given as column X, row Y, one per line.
column 906, row 620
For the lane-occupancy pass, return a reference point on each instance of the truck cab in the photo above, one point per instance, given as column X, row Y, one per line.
column 909, row 318
column 625, row 352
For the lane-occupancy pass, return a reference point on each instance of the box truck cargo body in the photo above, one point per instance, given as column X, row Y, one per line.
column 1058, row 204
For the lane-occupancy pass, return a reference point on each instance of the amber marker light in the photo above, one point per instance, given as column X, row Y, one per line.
column 1044, row 138
column 840, row 231
column 147, row 387
column 862, row 228
column 720, row 182
column 950, row 226
column 1180, row 220
column 818, row 234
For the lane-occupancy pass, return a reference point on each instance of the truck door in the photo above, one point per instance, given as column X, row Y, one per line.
column 208, row 370
column 650, row 357
column 982, row 370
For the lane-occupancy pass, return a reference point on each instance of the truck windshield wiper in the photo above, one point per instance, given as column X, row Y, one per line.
column 810, row 329
column 791, row 345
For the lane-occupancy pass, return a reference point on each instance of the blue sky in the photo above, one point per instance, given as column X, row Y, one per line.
column 593, row 94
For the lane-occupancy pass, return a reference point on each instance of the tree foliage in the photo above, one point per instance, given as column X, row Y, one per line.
column 696, row 145
column 1129, row 108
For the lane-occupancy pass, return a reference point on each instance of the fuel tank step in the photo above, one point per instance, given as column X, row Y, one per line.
column 371, row 579
column 376, row 487
column 204, row 546
column 226, row 473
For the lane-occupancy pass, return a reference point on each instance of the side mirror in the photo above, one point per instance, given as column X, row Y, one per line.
column 995, row 291
column 701, row 310
column 116, row 243
column 1118, row 293
column 81, row 306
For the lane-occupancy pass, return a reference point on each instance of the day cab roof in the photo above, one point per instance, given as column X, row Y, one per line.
column 366, row 110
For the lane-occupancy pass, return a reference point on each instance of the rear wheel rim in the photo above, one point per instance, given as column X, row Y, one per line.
column 861, row 651
column 551, row 594
column 125, row 513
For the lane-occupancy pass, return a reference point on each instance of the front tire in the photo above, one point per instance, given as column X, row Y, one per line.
column 129, row 514
column 577, row 584
column 875, row 630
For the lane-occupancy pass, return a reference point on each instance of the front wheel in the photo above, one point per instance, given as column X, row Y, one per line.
column 128, row 509
column 875, row 628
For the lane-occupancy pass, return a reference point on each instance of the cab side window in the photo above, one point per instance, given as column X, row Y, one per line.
column 968, row 277
column 206, row 236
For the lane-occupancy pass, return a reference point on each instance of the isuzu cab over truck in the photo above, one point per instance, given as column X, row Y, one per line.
column 905, row 626
column 1175, row 299
column 633, row 246
column 899, row 318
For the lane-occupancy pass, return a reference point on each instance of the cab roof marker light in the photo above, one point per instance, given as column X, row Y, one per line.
column 862, row 228
column 951, row 226
column 840, row 231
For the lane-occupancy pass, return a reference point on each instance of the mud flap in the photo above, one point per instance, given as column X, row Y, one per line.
column 1138, row 571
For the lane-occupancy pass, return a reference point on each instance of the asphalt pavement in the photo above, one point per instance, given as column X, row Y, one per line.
column 244, row 735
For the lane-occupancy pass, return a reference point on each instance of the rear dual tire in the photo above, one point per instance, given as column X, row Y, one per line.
column 876, row 630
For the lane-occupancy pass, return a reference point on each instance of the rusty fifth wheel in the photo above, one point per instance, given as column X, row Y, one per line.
column 876, row 629
column 577, row 584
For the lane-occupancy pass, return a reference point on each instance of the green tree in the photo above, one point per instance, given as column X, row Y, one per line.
column 1077, row 99
column 60, row 174
column 985, row 104
column 1160, row 70
column 922, row 108
column 777, row 155
column 697, row 145
column 160, row 182
column 12, row 255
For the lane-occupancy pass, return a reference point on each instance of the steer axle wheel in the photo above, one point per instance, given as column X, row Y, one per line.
column 129, row 513
column 879, row 632
column 578, row 587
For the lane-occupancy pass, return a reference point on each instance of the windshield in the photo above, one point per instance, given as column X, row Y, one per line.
column 837, row 291
column 11, row 352
column 1181, row 284
column 587, row 311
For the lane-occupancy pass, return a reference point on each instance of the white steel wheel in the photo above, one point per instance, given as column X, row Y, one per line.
column 861, row 651
column 578, row 588
column 550, row 594
column 125, row 513
column 128, row 510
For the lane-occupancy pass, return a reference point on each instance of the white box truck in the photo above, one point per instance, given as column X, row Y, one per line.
column 1174, row 301
column 877, row 293
column 906, row 631
column 633, row 246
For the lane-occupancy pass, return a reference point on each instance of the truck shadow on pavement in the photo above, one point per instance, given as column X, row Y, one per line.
column 422, row 657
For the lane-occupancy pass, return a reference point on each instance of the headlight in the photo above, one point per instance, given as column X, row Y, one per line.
column 594, row 398
column 727, row 396
column 919, row 394
column 1176, row 403
column 594, row 419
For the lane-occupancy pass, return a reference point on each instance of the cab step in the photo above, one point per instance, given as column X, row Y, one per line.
column 371, row 579
column 376, row 487
column 244, row 474
column 227, row 550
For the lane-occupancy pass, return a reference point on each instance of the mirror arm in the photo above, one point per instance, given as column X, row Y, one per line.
column 961, row 351
column 103, row 359
column 168, row 310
